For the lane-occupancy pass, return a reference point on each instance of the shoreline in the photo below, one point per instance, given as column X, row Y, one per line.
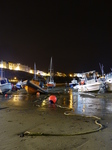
column 16, row 119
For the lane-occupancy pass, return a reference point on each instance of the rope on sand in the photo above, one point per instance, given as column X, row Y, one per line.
column 100, row 127
column 27, row 133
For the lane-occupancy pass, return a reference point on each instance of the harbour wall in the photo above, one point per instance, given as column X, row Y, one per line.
column 20, row 75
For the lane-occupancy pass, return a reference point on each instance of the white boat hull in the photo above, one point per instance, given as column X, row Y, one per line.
column 19, row 85
column 109, row 88
column 5, row 88
column 109, row 85
column 88, row 87
column 108, row 82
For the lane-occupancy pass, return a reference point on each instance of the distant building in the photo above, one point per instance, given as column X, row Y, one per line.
column 3, row 64
column 20, row 67
column 60, row 74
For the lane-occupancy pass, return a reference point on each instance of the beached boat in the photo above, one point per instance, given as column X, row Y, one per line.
column 19, row 84
column 108, row 82
column 51, row 83
column 107, row 79
column 33, row 86
column 91, row 84
column 5, row 85
column 73, row 82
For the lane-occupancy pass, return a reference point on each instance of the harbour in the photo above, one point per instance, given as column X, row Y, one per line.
column 55, row 75
column 75, row 121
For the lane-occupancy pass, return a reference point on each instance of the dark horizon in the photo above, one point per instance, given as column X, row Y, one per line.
column 76, row 34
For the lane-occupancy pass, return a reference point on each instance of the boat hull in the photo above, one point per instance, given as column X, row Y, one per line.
column 30, row 90
column 50, row 85
column 109, row 86
column 4, row 88
column 88, row 88
column 108, row 82
column 32, row 87
column 19, row 85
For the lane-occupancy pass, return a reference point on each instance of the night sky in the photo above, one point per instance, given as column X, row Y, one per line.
column 76, row 34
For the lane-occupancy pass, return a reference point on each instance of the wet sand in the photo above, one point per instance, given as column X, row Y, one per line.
column 64, row 131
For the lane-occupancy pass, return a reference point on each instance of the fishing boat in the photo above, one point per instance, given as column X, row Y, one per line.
column 51, row 83
column 108, row 81
column 19, row 85
column 89, row 84
column 34, row 85
column 75, row 81
column 5, row 85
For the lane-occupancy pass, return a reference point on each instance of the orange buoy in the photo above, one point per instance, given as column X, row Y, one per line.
column 82, row 82
column 6, row 95
column 38, row 94
column 52, row 99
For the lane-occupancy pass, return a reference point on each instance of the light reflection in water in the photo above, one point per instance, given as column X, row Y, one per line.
column 16, row 99
column 43, row 103
column 64, row 101
column 19, row 99
column 89, row 105
column 81, row 104
column 71, row 100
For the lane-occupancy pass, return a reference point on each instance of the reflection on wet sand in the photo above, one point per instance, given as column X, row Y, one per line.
column 91, row 104
column 21, row 112
column 81, row 103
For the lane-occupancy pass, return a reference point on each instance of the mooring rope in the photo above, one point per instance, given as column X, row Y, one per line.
column 100, row 127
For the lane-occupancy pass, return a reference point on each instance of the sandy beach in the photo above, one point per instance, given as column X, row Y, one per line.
column 57, row 131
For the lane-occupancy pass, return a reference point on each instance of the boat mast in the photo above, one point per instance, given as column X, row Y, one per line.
column 1, row 69
column 102, row 70
column 34, row 70
column 51, row 69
